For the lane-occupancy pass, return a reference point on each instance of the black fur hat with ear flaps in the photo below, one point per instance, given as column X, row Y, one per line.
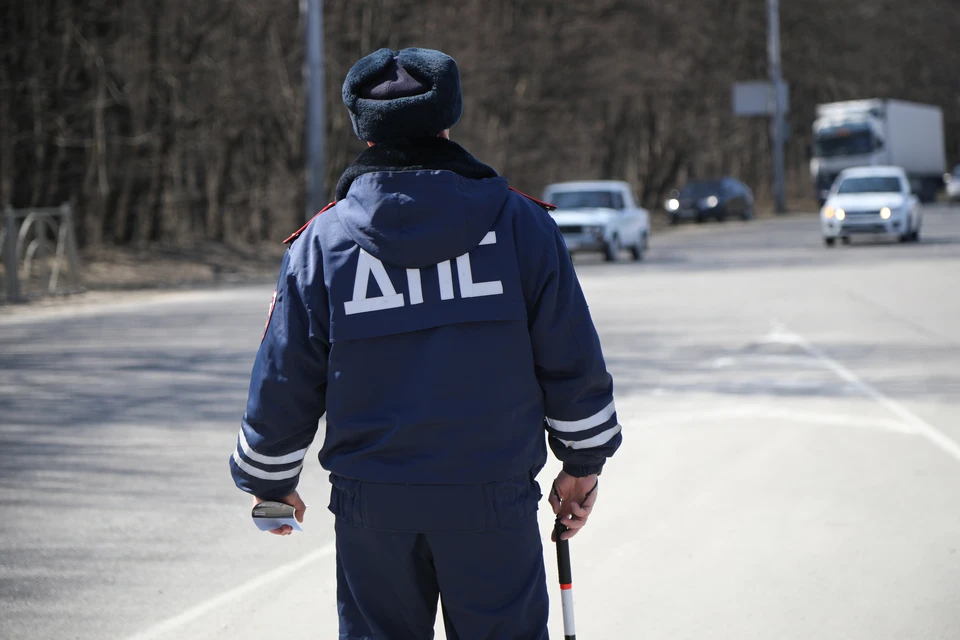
column 413, row 93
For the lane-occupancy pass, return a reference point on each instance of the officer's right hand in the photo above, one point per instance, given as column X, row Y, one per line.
column 299, row 509
column 572, row 500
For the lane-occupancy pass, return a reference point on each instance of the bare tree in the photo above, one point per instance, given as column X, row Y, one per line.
column 172, row 121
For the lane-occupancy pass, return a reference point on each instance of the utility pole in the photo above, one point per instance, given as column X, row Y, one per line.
column 777, row 126
column 316, row 116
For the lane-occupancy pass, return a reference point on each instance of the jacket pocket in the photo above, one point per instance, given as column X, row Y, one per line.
column 515, row 500
column 346, row 500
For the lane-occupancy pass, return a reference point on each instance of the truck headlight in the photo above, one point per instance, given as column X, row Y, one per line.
column 885, row 213
column 673, row 204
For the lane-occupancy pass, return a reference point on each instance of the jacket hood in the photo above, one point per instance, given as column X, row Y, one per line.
column 419, row 202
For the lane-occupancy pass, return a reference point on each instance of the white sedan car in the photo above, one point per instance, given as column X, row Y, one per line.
column 600, row 215
column 871, row 200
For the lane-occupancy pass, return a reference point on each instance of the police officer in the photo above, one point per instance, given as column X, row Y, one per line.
column 434, row 315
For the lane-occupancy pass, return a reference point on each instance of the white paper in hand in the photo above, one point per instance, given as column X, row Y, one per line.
column 273, row 515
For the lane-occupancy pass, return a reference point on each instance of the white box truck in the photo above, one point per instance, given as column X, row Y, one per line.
column 879, row 133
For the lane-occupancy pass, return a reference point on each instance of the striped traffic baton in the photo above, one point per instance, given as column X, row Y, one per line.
column 566, row 582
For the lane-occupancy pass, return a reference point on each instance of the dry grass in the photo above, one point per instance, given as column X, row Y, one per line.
column 175, row 267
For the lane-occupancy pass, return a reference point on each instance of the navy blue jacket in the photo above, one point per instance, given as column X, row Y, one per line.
column 435, row 317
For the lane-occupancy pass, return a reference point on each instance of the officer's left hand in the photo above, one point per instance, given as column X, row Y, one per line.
column 572, row 500
column 299, row 509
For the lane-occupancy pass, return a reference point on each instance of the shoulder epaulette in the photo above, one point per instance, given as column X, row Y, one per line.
column 546, row 205
column 297, row 233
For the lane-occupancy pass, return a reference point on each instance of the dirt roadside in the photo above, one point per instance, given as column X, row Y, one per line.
column 122, row 275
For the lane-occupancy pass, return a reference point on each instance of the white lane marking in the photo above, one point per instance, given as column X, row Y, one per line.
column 782, row 335
column 725, row 362
column 236, row 593
column 772, row 414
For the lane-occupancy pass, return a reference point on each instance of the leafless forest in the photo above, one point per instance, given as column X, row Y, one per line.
column 174, row 120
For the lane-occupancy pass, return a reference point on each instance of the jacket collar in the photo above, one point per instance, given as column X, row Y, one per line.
column 432, row 154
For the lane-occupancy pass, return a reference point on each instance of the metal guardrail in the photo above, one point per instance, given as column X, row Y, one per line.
column 38, row 248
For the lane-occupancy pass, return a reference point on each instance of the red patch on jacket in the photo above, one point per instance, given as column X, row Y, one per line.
column 545, row 205
column 273, row 303
column 296, row 234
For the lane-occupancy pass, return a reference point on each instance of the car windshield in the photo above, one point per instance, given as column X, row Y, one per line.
column 844, row 141
column 870, row 184
column 582, row 199
column 701, row 189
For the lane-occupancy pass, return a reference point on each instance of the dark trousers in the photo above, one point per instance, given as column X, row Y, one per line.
column 486, row 569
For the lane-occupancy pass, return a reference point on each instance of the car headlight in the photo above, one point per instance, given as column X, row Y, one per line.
column 673, row 204
column 841, row 214
column 885, row 213
column 829, row 212
column 710, row 202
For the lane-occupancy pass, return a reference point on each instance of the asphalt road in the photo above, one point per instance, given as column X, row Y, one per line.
column 790, row 466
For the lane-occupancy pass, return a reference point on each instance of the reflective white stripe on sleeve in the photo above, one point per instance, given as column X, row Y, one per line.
column 601, row 438
column 248, row 451
column 573, row 426
column 265, row 475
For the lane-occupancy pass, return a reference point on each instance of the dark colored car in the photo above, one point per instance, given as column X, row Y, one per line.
column 719, row 199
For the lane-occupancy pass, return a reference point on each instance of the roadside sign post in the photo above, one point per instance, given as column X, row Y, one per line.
column 316, row 115
column 773, row 50
column 769, row 99
column 10, row 258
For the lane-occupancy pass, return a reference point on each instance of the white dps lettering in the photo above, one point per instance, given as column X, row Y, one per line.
column 390, row 299
column 469, row 288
